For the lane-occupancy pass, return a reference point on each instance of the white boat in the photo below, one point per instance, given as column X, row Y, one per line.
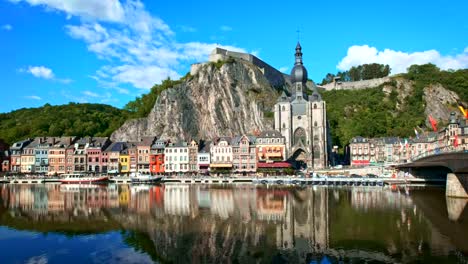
column 82, row 178
column 137, row 177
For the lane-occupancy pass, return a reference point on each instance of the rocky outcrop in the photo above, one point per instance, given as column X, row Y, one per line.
column 440, row 102
column 218, row 101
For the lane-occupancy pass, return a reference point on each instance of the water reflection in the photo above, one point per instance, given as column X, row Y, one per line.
column 197, row 223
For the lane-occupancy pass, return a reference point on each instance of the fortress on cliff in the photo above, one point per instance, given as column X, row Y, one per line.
column 276, row 78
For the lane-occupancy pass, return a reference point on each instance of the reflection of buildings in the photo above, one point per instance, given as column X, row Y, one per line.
column 271, row 204
column 222, row 203
column 56, row 201
column 177, row 199
column 219, row 224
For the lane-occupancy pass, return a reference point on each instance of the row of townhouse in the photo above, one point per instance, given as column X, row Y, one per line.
column 59, row 155
column 366, row 151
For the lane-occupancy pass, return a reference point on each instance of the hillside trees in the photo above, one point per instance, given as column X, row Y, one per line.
column 359, row 73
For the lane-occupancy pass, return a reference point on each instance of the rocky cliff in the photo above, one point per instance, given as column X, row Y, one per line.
column 221, row 99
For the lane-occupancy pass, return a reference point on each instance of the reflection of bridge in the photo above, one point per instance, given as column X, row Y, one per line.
column 454, row 165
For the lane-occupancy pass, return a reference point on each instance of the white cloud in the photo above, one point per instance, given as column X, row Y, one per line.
column 283, row 69
column 7, row 27
column 399, row 61
column 225, row 28
column 142, row 51
column 139, row 49
column 44, row 73
column 105, row 10
column 41, row 72
column 90, row 94
column 33, row 97
column 142, row 77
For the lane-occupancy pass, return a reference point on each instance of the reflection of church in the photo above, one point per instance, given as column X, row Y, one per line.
column 301, row 119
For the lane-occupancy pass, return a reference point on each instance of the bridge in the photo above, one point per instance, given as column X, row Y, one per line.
column 453, row 165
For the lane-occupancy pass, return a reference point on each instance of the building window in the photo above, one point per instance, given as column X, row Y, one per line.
column 299, row 135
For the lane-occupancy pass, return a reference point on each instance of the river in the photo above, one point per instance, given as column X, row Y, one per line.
column 174, row 223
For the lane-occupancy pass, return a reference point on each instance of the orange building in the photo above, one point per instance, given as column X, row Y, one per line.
column 270, row 146
column 157, row 157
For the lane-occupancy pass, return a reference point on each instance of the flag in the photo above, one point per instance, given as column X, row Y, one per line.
column 455, row 141
column 416, row 133
column 406, row 143
column 433, row 123
column 463, row 108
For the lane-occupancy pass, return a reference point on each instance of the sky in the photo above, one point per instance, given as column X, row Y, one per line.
column 110, row 51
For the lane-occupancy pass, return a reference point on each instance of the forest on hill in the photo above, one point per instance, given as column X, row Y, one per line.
column 68, row 120
column 373, row 113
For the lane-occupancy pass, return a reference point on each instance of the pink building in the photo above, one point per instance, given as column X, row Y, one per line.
column 96, row 158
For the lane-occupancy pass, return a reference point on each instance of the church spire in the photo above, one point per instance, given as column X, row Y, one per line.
column 298, row 54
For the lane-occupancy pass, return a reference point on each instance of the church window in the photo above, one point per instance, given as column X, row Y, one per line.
column 283, row 108
column 299, row 97
column 284, row 125
column 299, row 135
column 298, row 87
column 299, row 117
column 315, row 106
column 315, row 123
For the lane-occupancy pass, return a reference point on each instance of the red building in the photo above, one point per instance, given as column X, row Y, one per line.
column 157, row 157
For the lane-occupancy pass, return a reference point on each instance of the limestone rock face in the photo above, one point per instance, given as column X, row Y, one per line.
column 217, row 101
column 439, row 102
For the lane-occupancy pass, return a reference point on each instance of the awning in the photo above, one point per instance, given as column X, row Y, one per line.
column 281, row 164
column 221, row 165
column 274, row 154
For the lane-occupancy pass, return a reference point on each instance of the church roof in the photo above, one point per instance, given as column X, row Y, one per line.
column 283, row 97
column 299, row 72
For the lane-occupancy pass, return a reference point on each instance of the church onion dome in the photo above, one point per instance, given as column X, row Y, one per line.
column 299, row 72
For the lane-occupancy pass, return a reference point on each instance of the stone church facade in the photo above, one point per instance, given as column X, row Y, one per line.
column 302, row 120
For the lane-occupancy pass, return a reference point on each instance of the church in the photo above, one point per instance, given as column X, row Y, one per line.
column 301, row 118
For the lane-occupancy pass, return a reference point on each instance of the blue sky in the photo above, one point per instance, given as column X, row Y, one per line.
column 110, row 51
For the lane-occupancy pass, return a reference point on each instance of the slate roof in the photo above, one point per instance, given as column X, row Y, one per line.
column 270, row 134
column 116, row 147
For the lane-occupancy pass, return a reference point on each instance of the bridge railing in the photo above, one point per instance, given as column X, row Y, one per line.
column 441, row 150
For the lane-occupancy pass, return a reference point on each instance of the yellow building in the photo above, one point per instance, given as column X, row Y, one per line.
column 124, row 162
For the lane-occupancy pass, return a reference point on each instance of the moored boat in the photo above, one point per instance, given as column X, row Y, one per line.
column 138, row 177
column 83, row 178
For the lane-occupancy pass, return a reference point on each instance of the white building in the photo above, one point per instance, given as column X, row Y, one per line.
column 176, row 158
column 221, row 155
